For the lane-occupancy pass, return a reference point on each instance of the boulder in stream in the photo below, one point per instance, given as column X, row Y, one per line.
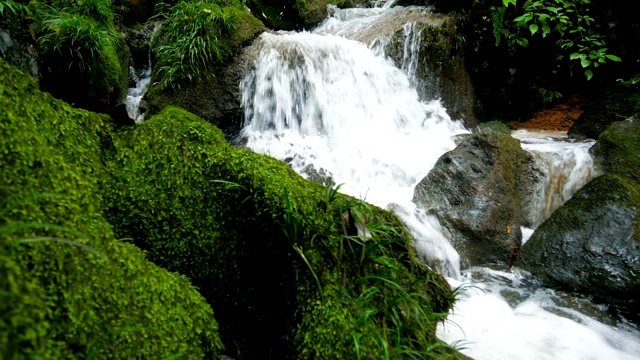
column 478, row 191
column 592, row 243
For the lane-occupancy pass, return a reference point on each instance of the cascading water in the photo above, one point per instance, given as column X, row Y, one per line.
column 334, row 106
column 567, row 166
column 332, row 103
column 142, row 79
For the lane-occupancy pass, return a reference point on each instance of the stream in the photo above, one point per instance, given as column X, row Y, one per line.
column 333, row 105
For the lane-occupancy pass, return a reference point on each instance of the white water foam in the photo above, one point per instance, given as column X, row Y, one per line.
column 142, row 79
column 332, row 103
column 505, row 315
column 567, row 166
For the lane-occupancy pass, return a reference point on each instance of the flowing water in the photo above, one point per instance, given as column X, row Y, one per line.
column 142, row 79
column 334, row 107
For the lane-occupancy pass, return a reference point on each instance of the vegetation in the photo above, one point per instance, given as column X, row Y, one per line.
column 189, row 42
column 69, row 289
column 289, row 14
column 297, row 288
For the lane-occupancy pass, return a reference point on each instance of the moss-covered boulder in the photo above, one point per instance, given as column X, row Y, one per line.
column 84, row 60
column 618, row 149
column 215, row 96
column 69, row 288
column 478, row 192
column 289, row 14
column 615, row 105
column 592, row 243
column 279, row 258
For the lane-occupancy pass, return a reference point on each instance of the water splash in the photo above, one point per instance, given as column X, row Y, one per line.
column 509, row 315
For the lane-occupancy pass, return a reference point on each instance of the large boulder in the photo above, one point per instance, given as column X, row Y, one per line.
column 618, row 149
column 592, row 243
column 478, row 191
column 216, row 96
column 69, row 288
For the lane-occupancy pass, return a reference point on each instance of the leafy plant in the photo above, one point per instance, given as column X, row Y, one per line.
column 10, row 8
column 565, row 24
column 189, row 42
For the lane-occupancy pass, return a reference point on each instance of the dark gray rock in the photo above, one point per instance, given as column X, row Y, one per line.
column 477, row 192
column 19, row 51
column 591, row 244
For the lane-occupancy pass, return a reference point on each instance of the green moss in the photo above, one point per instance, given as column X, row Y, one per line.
column 619, row 149
column 81, row 51
column 69, row 289
column 268, row 249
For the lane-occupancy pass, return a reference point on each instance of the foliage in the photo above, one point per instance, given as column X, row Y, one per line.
column 69, row 289
column 81, row 40
column 566, row 24
column 10, row 8
column 189, row 40
column 80, row 49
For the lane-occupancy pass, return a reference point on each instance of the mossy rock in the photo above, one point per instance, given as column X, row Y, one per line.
column 479, row 192
column 69, row 289
column 591, row 244
column 289, row 14
column 615, row 105
column 215, row 97
column 269, row 250
column 618, row 149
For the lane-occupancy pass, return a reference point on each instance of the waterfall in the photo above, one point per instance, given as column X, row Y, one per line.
column 331, row 103
column 334, row 103
column 567, row 166
column 142, row 79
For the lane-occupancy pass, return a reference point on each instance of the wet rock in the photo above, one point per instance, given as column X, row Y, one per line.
column 478, row 191
column 289, row 15
column 19, row 51
column 592, row 243
column 438, row 68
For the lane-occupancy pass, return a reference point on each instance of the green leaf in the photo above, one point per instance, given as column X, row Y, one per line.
column 545, row 30
column 613, row 58
column 533, row 28
column 585, row 62
column 523, row 42
column 575, row 56
column 507, row 2
column 589, row 74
